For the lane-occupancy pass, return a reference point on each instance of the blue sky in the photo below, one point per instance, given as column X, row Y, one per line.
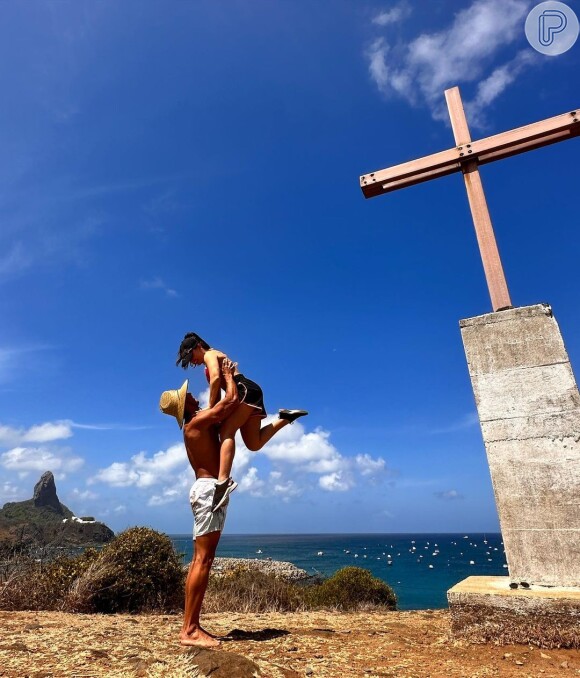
column 193, row 166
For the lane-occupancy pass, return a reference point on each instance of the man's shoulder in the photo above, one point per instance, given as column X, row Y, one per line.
column 197, row 426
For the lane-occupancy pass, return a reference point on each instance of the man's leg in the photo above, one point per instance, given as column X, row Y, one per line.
column 195, row 587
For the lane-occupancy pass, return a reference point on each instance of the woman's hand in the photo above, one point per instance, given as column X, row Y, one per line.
column 228, row 367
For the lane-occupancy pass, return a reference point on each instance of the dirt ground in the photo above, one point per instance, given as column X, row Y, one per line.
column 315, row 644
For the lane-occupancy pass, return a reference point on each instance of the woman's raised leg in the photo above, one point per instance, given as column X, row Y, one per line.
column 228, row 429
column 256, row 436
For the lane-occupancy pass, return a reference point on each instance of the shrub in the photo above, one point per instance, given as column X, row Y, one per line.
column 43, row 586
column 248, row 590
column 351, row 588
column 137, row 571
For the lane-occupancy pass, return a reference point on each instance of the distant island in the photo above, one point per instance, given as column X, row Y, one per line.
column 44, row 521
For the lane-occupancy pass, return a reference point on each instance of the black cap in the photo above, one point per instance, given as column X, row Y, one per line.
column 186, row 350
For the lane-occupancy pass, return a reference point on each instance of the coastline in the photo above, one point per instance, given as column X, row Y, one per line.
column 280, row 568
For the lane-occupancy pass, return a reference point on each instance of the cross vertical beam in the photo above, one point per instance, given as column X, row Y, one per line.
column 494, row 274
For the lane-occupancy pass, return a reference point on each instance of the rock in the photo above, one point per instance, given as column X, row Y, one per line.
column 220, row 664
column 564, row 664
column 545, row 656
column 277, row 567
column 45, row 493
column 44, row 521
column 99, row 654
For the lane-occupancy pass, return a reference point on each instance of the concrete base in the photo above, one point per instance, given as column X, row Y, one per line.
column 529, row 409
column 485, row 609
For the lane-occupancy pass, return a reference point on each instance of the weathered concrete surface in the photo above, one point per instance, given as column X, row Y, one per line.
column 529, row 409
column 485, row 609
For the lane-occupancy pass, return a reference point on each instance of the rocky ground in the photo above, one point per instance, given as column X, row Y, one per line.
column 313, row 644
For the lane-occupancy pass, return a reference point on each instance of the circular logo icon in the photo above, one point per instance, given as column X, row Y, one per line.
column 552, row 28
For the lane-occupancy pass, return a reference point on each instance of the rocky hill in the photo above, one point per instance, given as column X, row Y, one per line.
column 43, row 521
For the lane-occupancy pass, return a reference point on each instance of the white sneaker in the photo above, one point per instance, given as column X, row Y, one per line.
column 223, row 490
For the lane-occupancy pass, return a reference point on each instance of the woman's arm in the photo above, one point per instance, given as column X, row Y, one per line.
column 212, row 363
column 215, row 415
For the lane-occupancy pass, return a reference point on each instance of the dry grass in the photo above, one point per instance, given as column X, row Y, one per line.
column 245, row 590
column 283, row 645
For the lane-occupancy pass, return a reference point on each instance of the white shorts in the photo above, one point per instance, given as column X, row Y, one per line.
column 201, row 499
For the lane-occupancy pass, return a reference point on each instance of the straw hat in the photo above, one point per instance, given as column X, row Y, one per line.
column 173, row 402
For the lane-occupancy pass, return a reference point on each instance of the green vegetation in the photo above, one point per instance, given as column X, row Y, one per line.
column 140, row 571
column 352, row 588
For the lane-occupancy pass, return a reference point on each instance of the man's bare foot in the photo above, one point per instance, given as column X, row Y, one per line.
column 198, row 638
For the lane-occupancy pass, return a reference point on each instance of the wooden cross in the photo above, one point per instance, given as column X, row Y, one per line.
column 466, row 158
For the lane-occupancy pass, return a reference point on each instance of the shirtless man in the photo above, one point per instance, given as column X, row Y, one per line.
column 202, row 445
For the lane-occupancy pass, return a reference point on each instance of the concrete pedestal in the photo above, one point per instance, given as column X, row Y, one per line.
column 485, row 609
column 529, row 410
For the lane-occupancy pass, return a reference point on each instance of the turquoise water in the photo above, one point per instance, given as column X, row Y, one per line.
column 417, row 585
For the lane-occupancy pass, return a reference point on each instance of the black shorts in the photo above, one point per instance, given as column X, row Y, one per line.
column 250, row 393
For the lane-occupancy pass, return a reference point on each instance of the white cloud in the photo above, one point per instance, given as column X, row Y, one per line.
column 251, row 483
column 48, row 432
column 108, row 427
column 490, row 88
column 284, row 489
column 167, row 496
column 376, row 54
column 289, row 459
column 448, row 495
column 158, row 284
column 293, row 446
column 393, row 15
column 83, row 495
column 26, row 459
column 369, row 467
column 204, row 398
column 143, row 471
column 420, row 70
column 295, row 453
column 10, row 492
column 39, row 433
column 335, row 482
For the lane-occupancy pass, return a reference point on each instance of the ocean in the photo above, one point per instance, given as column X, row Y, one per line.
column 422, row 566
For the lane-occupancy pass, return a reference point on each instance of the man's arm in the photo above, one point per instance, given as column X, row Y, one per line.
column 217, row 413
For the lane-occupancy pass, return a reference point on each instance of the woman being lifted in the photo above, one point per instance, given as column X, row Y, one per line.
column 246, row 417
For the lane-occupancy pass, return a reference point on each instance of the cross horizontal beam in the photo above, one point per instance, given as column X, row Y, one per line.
column 496, row 147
